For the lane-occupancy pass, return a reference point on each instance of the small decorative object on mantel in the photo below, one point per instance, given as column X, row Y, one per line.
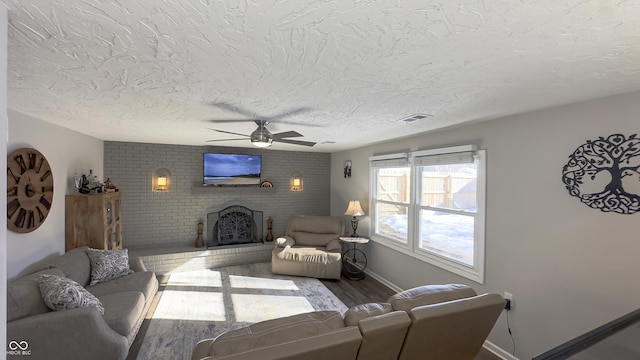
column 199, row 240
column 266, row 184
column 605, row 174
column 269, row 237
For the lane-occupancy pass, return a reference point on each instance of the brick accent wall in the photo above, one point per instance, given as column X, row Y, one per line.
column 161, row 219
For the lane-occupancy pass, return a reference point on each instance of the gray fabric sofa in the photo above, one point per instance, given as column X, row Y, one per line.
column 80, row 333
column 311, row 247
column 444, row 322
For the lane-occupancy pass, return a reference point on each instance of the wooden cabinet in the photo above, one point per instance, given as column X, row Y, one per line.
column 94, row 220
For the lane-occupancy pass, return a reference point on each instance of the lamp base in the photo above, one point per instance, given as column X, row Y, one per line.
column 354, row 226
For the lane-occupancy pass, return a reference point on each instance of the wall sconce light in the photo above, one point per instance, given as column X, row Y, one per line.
column 162, row 183
column 296, row 181
column 354, row 209
column 161, row 180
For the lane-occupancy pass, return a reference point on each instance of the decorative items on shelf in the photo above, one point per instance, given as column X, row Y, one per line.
column 354, row 209
column 199, row 240
column 109, row 186
column 296, row 181
column 269, row 237
column 86, row 184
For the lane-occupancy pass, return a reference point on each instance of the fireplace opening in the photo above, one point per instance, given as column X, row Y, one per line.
column 233, row 225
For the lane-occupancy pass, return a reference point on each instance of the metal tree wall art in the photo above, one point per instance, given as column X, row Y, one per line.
column 605, row 174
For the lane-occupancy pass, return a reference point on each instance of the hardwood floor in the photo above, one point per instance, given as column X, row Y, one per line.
column 352, row 293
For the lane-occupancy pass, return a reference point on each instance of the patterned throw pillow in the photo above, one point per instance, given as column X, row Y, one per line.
column 108, row 264
column 61, row 293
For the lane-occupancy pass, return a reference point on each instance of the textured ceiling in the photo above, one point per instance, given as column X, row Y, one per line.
column 148, row 70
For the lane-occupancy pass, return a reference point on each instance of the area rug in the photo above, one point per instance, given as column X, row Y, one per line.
column 202, row 304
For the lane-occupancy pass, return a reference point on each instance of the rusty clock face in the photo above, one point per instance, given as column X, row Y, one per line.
column 29, row 190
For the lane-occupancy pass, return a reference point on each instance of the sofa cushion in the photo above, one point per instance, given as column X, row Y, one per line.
column 353, row 316
column 312, row 239
column 108, row 264
column 61, row 293
column 144, row 282
column 123, row 310
column 318, row 224
column 334, row 245
column 429, row 294
column 75, row 265
column 24, row 297
column 276, row 331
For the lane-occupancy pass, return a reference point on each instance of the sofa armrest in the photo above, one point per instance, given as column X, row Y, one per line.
column 74, row 333
column 334, row 245
column 340, row 344
column 284, row 241
column 136, row 264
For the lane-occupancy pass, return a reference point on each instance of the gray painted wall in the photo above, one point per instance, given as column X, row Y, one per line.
column 68, row 152
column 570, row 268
column 152, row 219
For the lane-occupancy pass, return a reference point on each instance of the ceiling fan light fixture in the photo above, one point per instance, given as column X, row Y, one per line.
column 261, row 138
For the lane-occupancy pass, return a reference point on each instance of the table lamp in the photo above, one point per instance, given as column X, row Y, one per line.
column 354, row 209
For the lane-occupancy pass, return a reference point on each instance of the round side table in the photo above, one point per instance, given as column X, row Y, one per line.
column 354, row 260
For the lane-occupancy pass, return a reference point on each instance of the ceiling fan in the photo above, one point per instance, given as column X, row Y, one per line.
column 262, row 137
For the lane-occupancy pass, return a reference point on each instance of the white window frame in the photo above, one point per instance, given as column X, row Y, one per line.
column 412, row 246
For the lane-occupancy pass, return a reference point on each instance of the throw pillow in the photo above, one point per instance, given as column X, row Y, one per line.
column 61, row 293
column 108, row 264
column 284, row 241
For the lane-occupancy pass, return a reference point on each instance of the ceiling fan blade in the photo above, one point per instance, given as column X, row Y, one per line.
column 229, row 132
column 295, row 142
column 233, row 120
column 233, row 108
column 289, row 113
column 276, row 121
column 226, row 140
column 286, row 134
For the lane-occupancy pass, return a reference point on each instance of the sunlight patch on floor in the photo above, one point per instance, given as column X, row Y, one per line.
column 190, row 305
column 253, row 308
column 205, row 278
column 252, row 282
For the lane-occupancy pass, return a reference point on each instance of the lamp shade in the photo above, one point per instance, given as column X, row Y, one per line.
column 162, row 181
column 354, row 209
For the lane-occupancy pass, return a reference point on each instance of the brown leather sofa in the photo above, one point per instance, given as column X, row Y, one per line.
column 311, row 247
column 445, row 322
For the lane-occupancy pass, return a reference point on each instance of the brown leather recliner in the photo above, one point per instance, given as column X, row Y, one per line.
column 311, row 247
column 444, row 322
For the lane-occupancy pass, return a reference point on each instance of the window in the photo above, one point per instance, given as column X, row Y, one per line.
column 430, row 205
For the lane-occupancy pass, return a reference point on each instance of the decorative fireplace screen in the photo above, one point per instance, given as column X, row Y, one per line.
column 235, row 224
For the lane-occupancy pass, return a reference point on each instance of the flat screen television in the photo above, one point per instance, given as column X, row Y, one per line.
column 231, row 169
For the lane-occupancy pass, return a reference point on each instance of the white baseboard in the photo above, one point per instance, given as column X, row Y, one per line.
column 386, row 282
column 488, row 345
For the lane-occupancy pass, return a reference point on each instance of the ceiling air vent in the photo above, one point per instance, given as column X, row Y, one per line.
column 415, row 117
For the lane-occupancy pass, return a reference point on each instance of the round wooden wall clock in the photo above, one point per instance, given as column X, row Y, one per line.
column 29, row 190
